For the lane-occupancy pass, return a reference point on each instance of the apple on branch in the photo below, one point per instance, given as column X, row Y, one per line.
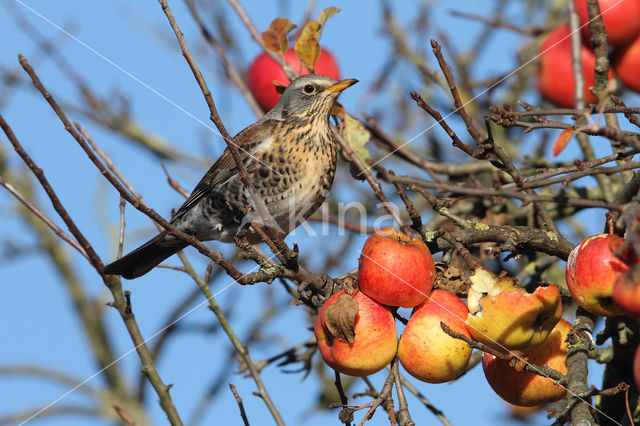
column 621, row 20
column 356, row 335
column 428, row 353
column 396, row 269
column 529, row 389
column 592, row 269
column 504, row 316
column 555, row 70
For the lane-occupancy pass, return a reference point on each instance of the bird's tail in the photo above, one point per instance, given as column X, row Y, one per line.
column 144, row 258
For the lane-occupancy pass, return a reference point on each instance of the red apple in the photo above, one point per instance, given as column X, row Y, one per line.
column 264, row 70
column 428, row 353
column 555, row 73
column 626, row 291
column 627, row 63
column 592, row 269
column 396, row 269
column 621, row 20
column 529, row 389
column 372, row 334
column 504, row 316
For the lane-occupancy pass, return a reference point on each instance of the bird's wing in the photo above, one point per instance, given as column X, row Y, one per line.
column 249, row 141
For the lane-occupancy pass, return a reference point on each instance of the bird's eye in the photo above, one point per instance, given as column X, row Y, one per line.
column 309, row 89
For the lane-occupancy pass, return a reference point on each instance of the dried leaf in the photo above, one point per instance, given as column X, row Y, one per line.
column 275, row 37
column 357, row 136
column 326, row 14
column 308, row 45
column 340, row 318
column 562, row 141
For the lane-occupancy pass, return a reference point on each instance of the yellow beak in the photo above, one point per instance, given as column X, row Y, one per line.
column 341, row 85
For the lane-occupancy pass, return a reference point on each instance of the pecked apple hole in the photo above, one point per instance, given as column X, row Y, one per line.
column 479, row 311
column 538, row 324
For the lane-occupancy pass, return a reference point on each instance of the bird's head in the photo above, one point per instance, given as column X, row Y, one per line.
column 309, row 95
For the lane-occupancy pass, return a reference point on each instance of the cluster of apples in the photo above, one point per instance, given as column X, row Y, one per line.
column 622, row 24
column 356, row 333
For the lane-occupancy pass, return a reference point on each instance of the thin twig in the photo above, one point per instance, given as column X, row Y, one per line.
column 122, row 225
column 243, row 414
column 534, row 31
column 107, row 161
column 459, row 106
column 231, row 71
column 33, row 209
column 540, row 370
column 257, row 37
column 343, row 398
column 375, row 185
column 241, row 349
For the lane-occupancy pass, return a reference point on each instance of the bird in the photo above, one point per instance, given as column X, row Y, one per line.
column 290, row 158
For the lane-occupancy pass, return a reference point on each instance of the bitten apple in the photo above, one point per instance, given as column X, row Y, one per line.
column 428, row 353
column 529, row 389
column 621, row 20
column 592, row 269
column 396, row 269
column 356, row 335
column 504, row 316
column 555, row 72
column 263, row 71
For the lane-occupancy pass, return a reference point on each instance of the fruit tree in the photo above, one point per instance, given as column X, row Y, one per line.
column 455, row 239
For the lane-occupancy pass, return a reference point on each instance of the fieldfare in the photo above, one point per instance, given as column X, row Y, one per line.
column 290, row 158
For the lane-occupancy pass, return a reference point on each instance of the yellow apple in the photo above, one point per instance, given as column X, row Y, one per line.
column 428, row 353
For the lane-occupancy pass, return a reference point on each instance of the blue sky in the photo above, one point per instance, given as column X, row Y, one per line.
column 128, row 47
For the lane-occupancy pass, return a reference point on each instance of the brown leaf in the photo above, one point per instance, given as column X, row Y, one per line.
column 562, row 141
column 275, row 37
column 340, row 318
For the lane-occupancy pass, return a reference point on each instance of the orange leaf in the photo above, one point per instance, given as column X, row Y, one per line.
column 275, row 37
column 562, row 141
